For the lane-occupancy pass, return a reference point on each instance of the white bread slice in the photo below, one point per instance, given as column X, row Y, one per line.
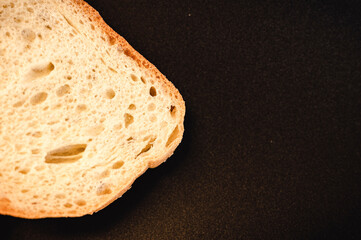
column 82, row 113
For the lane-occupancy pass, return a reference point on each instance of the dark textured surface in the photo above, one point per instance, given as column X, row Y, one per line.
column 272, row 142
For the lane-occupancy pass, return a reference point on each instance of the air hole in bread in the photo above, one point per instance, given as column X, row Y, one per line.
column 37, row 134
column 68, row 205
column 103, row 189
column 111, row 40
column 25, row 190
column 57, row 106
column 118, row 164
column 151, row 107
column 109, row 93
column 38, row 98
column 24, row 170
column 39, row 71
column 81, row 108
column 80, row 202
column 128, row 119
column 18, row 19
column 132, row 107
column 92, row 27
column 134, row 78
column 146, row 148
column 52, row 122
column 172, row 111
column 143, row 80
column 71, row 23
column 28, row 34
column 35, row 151
column 112, row 69
column 81, row 22
column 48, row 27
column 153, row 92
column 68, row 77
column 66, row 154
column 60, row 196
column 69, row 150
column 19, row 103
column 130, row 139
column 148, row 137
column 60, row 160
column 173, row 136
column 105, row 174
column 30, row 10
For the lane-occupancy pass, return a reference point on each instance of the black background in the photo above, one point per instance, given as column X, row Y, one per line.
column 271, row 148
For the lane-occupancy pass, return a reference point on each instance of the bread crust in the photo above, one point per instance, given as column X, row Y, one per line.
column 114, row 39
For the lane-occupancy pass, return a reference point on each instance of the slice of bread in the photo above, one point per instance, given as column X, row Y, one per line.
column 82, row 113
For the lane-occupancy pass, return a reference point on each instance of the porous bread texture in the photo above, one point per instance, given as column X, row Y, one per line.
column 82, row 113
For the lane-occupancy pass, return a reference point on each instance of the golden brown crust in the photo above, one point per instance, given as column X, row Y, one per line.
column 114, row 38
